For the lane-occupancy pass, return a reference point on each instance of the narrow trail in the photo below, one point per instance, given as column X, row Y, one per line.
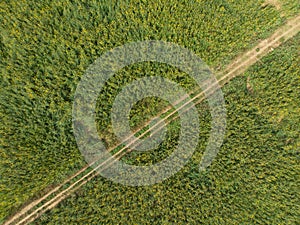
column 239, row 66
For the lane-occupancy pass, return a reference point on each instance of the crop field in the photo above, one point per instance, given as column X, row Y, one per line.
column 45, row 49
column 253, row 180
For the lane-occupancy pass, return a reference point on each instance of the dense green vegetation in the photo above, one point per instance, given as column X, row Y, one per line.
column 253, row 180
column 46, row 46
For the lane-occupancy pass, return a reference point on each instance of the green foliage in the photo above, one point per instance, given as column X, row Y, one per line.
column 45, row 48
column 253, row 179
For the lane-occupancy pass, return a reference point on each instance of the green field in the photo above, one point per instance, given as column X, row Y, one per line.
column 45, row 48
column 253, row 179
